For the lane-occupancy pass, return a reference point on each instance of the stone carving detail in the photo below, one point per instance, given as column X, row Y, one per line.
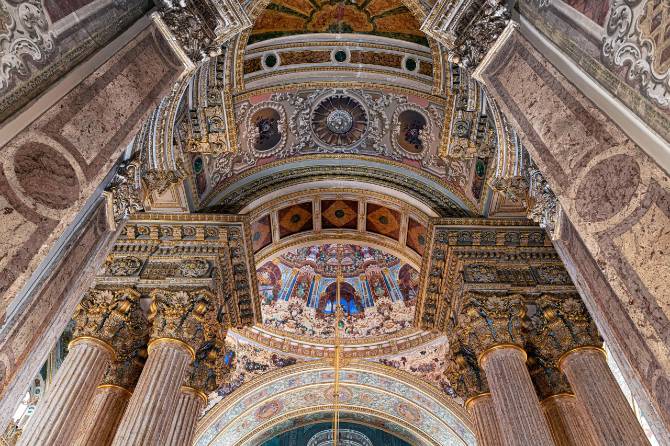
column 467, row 28
column 515, row 188
column 187, row 316
column 126, row 370
column 208, row 369
column 194, row 268
column 490, row 319
column 465, row 377
column 112, row 316
column 629, row 42
column 543, row 206
column 201, row 27
column 24, row 35
column 126, row 190
column 561, row 324
column 124, row 266
column 547, row 378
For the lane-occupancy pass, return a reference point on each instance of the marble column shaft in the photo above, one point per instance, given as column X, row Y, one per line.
column 152, row 405
column 517, row 407
column 483, row 411
column 568, row 422
column 596, row 388
column 58, row 415
column 190, row 404
column 103, row 416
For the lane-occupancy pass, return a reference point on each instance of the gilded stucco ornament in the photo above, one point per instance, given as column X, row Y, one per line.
column 543, row 206
column 547, row 378
column 124, row 266
column 188, row 316
column 194, row 267
column 112, row 316
column 24, row 36
column 201, row 27
column 465, row 377
column 632, row 30
column 126, row 370
column 563, row 323
column 208, row 370
column 514, row 188
column 487, row 320
column 467, row 28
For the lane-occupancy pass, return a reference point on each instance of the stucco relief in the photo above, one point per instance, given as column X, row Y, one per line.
column 636, row 38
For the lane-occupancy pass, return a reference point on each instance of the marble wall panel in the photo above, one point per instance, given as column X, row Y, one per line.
column 615, row 196
column 53, row 167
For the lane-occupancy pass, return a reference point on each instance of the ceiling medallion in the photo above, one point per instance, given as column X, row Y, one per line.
column 339, row 121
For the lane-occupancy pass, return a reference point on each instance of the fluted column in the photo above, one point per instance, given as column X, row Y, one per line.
column 56, row 419
column 486, row 422
column 182, row 321
column 566, row 418
column 604, row 402
column 104, row 321
column 573, row 338
column 103, row 416
column 98, row 426
column 467, row 380
column 490, row 324
column 567, row 421
column 205, row 376
column 190, row 404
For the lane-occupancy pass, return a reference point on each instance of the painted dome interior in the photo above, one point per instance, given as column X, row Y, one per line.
column 299, row 288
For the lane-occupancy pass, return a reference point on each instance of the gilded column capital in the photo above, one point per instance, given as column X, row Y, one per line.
column 208, row 369
column 466, row 378
column 126, row 370
column 113, row 317
column 563, row 324
column 186, row 317
column 490, row 320
column 547, row 378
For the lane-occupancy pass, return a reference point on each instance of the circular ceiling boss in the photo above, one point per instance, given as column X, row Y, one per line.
column 339, row 121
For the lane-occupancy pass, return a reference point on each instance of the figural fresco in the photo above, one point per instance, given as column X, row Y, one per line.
column 299, row 288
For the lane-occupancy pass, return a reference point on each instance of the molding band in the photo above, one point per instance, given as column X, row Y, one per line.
column 558, row 396
column 93, row 340
column 582, row 348
column 127, row 392
column 195, row 392
column 475, row 398
column 177, row 342
column 482, row 356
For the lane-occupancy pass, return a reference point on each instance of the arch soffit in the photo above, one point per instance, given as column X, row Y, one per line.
column 280, row 395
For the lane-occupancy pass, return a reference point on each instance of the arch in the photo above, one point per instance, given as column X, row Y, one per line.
column 350, row 300
column 399, row 399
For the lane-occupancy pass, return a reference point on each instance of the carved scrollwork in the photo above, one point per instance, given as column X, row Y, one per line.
column 201, row 27
column 187, row 316
column 486, row 320
column 111, row 316
column 467, row 28
column 563, row 323
column 194, row 268
column 24, row 35
column 124, row 266
column 628, row 42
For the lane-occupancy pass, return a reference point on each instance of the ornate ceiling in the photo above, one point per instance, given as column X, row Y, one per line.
column 299, row 288
column 388, row 18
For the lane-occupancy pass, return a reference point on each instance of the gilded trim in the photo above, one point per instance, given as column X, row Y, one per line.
column 195, row 392
column 93, row 340
column 558, row 396
column 481, row 358
column 475, row 398
column 582, row 348
column 123, row 390
column 177, row 342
